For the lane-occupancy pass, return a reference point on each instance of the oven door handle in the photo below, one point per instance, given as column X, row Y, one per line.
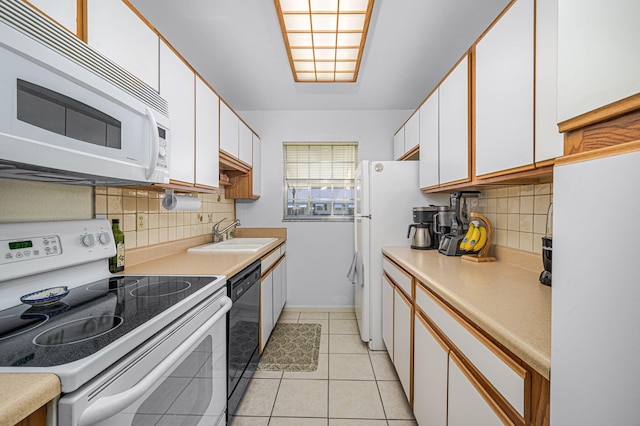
column 105, row 407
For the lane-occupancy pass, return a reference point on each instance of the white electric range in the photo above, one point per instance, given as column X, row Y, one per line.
column 127, row 349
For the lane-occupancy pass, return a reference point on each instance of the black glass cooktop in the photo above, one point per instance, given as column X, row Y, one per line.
column 88, row 319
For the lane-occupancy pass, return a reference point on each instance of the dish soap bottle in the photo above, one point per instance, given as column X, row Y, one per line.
column 116, row 263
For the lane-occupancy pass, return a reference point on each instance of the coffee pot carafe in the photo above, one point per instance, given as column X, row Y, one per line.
column 421, row 237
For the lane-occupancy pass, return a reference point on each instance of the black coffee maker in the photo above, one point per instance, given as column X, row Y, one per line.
column 424, row 236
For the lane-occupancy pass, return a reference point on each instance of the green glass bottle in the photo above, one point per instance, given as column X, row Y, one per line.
column 116, row 263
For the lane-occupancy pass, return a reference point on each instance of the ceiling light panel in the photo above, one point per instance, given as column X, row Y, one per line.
column 324, row 38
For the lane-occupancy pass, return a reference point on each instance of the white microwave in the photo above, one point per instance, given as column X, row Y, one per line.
column 70, row 115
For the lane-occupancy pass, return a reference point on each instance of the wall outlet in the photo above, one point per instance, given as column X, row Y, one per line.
column 141, row 222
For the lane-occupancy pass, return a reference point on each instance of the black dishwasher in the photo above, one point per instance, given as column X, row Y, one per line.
column 243, row 332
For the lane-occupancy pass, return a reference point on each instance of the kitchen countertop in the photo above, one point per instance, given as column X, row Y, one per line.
column 504, row 299
column 22, row 394
column 203, row 264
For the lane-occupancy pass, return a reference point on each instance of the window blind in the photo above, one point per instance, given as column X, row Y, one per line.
column 319, row 180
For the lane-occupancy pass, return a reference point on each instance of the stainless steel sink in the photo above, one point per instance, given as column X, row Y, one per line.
column 234, row 245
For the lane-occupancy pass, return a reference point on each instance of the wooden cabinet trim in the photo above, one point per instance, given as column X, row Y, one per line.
column 607, row 112
column 408, row 154
column 600, row 153
column 431, row 328
column 613, row 132
column 272, row 267
column 481, row 390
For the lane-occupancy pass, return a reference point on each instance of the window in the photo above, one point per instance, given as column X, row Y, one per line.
column 318, row 180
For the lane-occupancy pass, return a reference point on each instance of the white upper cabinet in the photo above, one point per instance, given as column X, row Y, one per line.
column 412, row 132
column 598, row 63
column 454, row 124
column 429, row 136
column 504, row 92
column 257, row 166
column 116, row 31
column 177, row 86
column 64, row 12
column 549, row 141
column 245, row 143
column 207, row 166
column 228, row 130
column 398, row 144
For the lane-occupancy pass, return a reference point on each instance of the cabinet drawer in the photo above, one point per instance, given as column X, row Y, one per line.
column 502, row 372
column 269, row 260
column 400, row 277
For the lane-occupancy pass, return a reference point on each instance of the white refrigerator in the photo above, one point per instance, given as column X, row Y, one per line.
column 385, row 194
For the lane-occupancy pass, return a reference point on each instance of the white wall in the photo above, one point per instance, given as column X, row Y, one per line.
column 318, row 254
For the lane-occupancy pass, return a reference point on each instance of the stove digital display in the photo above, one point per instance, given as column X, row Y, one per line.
column 17, row 245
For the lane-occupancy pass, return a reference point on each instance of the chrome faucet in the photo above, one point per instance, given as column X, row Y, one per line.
column 217, row 233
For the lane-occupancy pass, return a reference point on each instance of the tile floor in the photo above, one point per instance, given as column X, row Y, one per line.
column 352, row 385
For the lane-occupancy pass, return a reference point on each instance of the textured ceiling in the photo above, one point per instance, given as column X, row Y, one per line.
column 237, row 46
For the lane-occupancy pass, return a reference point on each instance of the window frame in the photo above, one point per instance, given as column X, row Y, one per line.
column 332, row 200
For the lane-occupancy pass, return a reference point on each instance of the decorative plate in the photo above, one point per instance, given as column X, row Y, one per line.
column 45, row 297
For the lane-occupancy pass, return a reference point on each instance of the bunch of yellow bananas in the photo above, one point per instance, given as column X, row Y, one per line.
column 475, row 238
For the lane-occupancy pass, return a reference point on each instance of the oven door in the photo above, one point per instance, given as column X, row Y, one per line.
column 177, row 377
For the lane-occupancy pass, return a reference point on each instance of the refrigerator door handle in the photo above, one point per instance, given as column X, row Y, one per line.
column 362, row 216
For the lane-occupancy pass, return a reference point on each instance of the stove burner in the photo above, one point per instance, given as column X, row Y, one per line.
column 14, row 325
column 78, row 330
column 113, row 284
column 162, row 288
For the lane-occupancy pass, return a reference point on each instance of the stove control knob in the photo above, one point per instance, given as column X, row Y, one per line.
column 87, row 240
column 104, row 238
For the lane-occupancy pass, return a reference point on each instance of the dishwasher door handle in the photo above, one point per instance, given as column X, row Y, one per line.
column 108, row 406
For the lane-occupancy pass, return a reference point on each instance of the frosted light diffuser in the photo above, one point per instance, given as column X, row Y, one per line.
column 324, row 38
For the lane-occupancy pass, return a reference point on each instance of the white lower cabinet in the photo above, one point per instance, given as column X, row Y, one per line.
column 402, row 318
column 467, row 405
column 387, row 314
column 266, row 309
column 278, row 297
column 273, row 293
column 430, row 375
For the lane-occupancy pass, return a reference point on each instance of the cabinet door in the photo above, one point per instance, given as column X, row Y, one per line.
column 430, row 375
column 596, row 66
column 412, row 133
column 398, row 144
column 257, row 166
column 504, row 92
column 64, row 12
column 283, row 278
column 468, row 403
column 207, row 166
column 549, row 141
column 387, row 314
column 402, row 319
column 228, row 130
column 266, row 309
column 245, row 143
column 277, row 292
column 429, row 136
column 177, row 86
column 116, row 31
column 454, row 124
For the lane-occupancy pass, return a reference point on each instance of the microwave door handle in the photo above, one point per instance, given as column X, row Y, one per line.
column 108, row 406
column 155, row 143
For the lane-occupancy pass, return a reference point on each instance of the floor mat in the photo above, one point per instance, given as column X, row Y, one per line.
column 292, row 347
